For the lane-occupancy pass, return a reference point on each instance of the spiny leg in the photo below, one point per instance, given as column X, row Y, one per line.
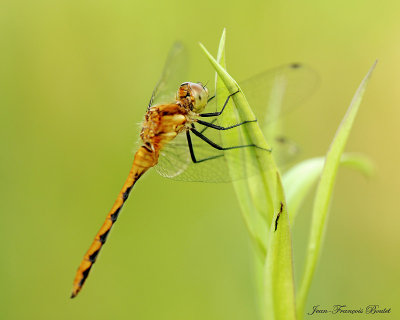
column 217, row 127
column 218, row 113
column 192, row 155
column 218, row 147
column 205, row 127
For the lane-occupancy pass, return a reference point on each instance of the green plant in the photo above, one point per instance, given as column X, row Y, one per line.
column 262, row 197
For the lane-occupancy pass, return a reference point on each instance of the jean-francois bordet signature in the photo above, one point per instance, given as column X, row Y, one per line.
column 344, row 309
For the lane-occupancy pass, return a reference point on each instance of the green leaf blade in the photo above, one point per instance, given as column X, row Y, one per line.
column 260, row 202
column 278, row 272
column 324, row 193
column 255, row 223
column 264, row 161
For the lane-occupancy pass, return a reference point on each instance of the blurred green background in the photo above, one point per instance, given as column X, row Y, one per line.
column 75, row 79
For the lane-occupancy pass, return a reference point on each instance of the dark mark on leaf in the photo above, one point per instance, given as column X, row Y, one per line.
column 277, row 217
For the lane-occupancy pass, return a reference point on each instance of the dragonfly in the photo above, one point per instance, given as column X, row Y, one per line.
column 175, row 135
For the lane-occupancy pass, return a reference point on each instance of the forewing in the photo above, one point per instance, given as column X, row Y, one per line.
column 272, row 94
column 172, row 75
column 275, row 92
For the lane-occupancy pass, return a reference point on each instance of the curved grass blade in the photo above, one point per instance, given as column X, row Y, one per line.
column 256, row 195
column 255, row 222
column 324, row 193
column 254, row 218
column 300, row 179
column 260, row 202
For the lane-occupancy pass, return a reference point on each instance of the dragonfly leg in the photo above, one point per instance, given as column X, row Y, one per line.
column 216, row 114
column 218, row 147
column 205, row 127
column 214, row 126
column 192, row 155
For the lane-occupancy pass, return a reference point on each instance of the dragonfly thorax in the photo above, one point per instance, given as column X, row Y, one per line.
column 193, row 95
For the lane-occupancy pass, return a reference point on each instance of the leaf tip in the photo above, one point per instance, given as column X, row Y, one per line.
column 223, row 33
column 372, row 69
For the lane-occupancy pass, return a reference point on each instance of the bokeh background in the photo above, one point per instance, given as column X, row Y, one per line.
column 75, row 78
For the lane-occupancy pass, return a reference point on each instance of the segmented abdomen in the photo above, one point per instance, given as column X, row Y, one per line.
column 144, row 159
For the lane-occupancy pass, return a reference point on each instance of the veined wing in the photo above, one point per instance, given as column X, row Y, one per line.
column 275, row 92
column 172, row 76
column 175, row 161
column 271, row 95
column 174, row 158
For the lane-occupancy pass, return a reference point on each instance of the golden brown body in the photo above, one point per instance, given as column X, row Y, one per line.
column 162, row 123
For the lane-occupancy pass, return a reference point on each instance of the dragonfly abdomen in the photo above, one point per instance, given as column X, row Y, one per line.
column 145, row 158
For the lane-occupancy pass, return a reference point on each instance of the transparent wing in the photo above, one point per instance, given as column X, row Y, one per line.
column 174, row 158
column 173, row 75
column 275, row 92
column 175, row 161
column 272, row 94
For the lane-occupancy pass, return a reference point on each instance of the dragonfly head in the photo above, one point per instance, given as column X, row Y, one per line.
column 196, row 93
